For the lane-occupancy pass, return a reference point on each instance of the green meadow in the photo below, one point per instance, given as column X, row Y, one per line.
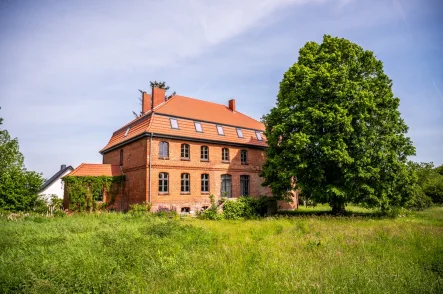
column 303, row 252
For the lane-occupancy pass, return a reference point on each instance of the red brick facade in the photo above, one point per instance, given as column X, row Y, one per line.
column 196, row 123
column 136, row 159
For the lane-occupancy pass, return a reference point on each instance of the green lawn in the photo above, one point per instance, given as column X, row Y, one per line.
column 120, row 253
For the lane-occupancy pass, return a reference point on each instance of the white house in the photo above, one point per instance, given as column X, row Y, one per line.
column 55, row 186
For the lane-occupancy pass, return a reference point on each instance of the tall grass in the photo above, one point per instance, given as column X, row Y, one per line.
column 120, row 253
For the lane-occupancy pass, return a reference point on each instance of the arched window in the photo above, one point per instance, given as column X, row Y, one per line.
column 163, row 150
column 185, row 151
column 163, row 182
column 121, row 157
column 225, row 154
column 185, row 183
column 205, row 183
column 204, row 153
column 226, row 186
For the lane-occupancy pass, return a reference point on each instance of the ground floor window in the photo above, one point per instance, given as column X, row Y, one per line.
column 163, row 182
column 205, row 183
column 226, row 186
column 185, row 183
column 244, row 185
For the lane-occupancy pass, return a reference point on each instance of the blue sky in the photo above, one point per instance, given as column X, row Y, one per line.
column 70, row 70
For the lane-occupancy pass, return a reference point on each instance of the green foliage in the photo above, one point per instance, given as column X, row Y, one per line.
column 84, row 191
column 429, row 180
column 337, row 129
column 119, row 253
column 212, row 212
column 18, row 187
column 245, row 208
column 140, row 209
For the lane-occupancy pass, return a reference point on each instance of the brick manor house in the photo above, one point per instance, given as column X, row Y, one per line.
column 181, row 150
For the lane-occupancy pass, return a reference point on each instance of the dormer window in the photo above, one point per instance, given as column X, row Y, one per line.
column 258, row 135
column 127, row 131
column 198, row 127
column 174, row 123
column 239, row 133
column 220, row 130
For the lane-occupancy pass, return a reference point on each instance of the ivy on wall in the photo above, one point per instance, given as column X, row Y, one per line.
column 85, row 191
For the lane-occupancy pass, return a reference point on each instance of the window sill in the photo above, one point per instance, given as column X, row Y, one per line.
column 185, row 193
column 245, row 163
column 163, row 158
column 226, row 161
column 185, row 159
column 205, row 193
column 204, row 160
column 163, row 193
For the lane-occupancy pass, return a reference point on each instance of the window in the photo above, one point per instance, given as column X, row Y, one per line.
column 220, row 130
column 174, row 123
column 163, row 182
column 185, row 151
column 225, row 154
column 205, row 183
column 226, row 186
column 164, row 150
column 244, row 156
column 198, row 127
column 244, row 185
column 204, row 153
column 239, row 133
column 185, row 183
column 99, row 197
column 121, row 157
column 127, row 131
column 258, row 135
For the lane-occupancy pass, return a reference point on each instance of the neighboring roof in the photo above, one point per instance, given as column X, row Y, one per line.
column 187, row 111
column 92, row 169
column 55, row 177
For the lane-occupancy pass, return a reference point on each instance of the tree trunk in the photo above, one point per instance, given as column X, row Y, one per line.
column 338, row 208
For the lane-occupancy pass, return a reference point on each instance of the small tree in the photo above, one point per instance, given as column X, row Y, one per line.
column 18, row 186
column 336, row 128
column 159, row 84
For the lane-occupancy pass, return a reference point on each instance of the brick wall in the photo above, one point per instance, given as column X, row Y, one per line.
column 136, row 169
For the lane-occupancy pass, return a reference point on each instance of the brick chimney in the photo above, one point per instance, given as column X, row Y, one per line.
column 146, row 102
column 232, row 105
column 158, row 97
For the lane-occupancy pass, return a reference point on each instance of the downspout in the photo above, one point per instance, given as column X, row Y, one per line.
column 150, row 165
column 121, row 188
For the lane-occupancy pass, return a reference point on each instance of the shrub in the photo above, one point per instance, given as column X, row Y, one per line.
column 419, row 200
column 140, row 209
column 246, row 208
column 211, row 213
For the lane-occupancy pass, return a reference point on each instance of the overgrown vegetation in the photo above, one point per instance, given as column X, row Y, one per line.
column 84, row 192
column 18, row 186
column 121, row 253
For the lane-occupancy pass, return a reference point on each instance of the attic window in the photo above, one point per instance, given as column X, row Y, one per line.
column 239, row 133
column 258, row 134
column 198, row 127
column 220, row 130
column 174, row 123
column 127, row 131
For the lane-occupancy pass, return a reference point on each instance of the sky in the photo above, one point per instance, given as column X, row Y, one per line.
column 70, row 70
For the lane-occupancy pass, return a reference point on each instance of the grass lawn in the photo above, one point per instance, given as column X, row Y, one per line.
column 120, row 253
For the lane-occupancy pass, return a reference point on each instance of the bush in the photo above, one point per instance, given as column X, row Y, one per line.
column 419, row 200
column 212, row 212
column 246, row 208
column 140, row 209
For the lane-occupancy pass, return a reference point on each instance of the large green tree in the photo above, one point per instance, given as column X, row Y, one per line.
column 337, row 130
column 18, row 186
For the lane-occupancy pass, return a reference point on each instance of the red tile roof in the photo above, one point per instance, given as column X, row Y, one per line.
column 92, row 169
column 187, row 111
